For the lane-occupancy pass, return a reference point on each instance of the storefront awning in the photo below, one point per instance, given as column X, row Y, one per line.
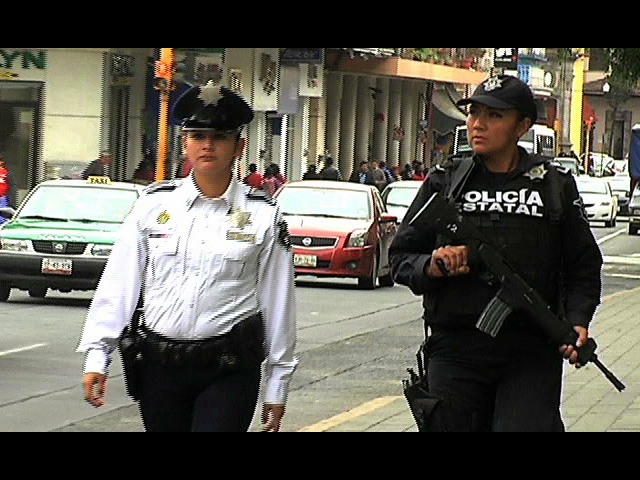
column 446, row 115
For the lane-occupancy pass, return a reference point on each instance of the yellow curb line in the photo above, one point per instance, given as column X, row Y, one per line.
column 341, row 418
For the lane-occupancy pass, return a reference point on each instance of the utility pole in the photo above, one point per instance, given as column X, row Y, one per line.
column 577, row 95
column 164, row 84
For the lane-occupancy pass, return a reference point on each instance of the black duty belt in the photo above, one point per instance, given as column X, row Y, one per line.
column 241, row 348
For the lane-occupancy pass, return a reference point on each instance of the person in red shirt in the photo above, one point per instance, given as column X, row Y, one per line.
column 419, row 173
column 4, row 184
column 254, row 179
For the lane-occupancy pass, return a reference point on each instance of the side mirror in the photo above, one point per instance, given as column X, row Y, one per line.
column 386, row 218
column 7, row 212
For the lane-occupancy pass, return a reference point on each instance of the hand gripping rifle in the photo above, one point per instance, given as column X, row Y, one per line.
column 515, row 293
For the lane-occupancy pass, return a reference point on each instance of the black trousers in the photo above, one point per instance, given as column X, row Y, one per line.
column 197, row 399
column 512, row 383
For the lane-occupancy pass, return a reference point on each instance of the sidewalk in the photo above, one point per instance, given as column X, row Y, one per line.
column 590, row 403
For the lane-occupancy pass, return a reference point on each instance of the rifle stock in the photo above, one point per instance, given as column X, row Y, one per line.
column 515, row 294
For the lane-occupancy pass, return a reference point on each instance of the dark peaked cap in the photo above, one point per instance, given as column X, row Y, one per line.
column 212, row 108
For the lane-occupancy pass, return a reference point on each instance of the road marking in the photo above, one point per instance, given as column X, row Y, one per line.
column 609, row 237
column 344, row 417
column 623, row 275
column 622, row 260
column 23, row 349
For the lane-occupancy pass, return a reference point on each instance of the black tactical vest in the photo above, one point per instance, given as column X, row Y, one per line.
column 519, row 216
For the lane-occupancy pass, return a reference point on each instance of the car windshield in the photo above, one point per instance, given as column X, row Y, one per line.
column 325, row 202
column 592, row 187
column 620, row 183
column 401, row 197
column 83, row 204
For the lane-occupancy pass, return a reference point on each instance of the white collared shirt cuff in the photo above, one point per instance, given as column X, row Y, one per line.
column 96, row 361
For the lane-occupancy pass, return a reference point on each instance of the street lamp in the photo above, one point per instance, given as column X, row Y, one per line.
column 606, row 88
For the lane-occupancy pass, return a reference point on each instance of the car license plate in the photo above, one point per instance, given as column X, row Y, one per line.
column 56, row 266
column 305, row 261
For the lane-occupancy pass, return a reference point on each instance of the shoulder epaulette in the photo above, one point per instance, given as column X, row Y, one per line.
column 164, row 186
column 261, row 195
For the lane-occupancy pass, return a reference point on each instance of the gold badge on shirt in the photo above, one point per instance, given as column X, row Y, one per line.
column 164, row 217
column 238, row 220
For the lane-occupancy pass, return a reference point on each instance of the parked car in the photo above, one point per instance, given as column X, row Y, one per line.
column 621, row 185
column 339, row 229
column 634, row 212
column 62, row 234
column 570, row 163
column 398, row 197
column 599, row 201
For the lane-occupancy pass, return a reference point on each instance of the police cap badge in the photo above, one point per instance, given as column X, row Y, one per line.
column 212, row 107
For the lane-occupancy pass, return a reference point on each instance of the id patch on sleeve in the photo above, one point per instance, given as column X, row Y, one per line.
column 283, row 235
column 579, row 204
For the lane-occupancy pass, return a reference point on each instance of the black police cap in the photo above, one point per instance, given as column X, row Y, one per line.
column 212, row 108
column 505, row 92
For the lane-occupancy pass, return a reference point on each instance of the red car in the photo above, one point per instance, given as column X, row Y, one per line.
column 339, row 229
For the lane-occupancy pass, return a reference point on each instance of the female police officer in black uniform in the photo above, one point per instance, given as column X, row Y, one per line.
column 511, row 382
column 213, row 261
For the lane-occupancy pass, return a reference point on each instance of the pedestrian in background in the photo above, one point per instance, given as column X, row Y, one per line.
column 210, row 261
column 363, row 175
column 379, row 178
column 4, row 184
column 419, row 174
column 98, row 167
column 330, row 172
column 407, row 173
column 254, row 179
column 389, row 175
column 311, row 174
column 270, row 182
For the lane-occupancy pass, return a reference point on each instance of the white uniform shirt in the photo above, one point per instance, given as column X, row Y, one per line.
column 205, row 265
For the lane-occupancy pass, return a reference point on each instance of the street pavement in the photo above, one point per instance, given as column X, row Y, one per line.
column 590, row 402
column 354, row 347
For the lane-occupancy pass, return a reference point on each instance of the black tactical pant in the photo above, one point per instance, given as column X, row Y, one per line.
column 512, row 383
column 197, row 399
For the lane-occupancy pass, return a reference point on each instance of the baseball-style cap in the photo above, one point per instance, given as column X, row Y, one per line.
column 212, row 107
column 504, row 92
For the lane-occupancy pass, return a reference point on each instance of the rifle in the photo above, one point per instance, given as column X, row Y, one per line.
column 514, row 294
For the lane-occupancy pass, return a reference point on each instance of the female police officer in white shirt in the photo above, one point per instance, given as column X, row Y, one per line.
column 213, row 263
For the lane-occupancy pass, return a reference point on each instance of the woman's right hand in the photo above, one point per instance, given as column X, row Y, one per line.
column 454, row 259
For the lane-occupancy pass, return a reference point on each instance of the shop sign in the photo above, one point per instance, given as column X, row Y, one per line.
column 302, row 55
column 26, row 59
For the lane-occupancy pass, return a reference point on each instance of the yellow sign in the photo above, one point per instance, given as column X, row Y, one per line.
column 99, row 180
column 164, row 217
column 7, row 75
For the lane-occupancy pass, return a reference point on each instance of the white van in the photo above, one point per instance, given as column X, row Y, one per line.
column 539, row 140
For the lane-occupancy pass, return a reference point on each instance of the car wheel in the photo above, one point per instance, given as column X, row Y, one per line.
column 369, row 282
column 5, row 291
column 633, row 230
column 38, row 292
